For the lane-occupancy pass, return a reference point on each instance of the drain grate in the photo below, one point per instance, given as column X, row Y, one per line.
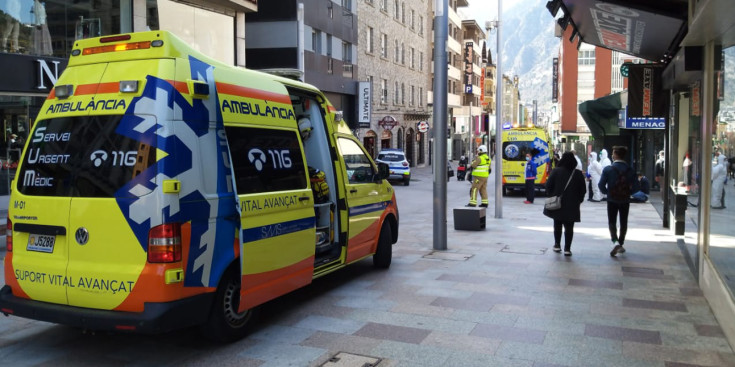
column 523, row 251
column 343, row 359
column 443, row 255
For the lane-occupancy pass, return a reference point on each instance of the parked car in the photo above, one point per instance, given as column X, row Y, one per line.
column 400, row 170
column 450, row 170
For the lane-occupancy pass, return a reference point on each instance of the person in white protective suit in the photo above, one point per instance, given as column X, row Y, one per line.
column 595, row 171
column 604, row 160
column 719, row 174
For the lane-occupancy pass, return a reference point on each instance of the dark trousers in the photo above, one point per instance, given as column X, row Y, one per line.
column 568, row 233
column 612, row 215
column 589, row 190
column 530, row 189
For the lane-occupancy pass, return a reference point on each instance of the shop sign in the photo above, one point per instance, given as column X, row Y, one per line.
column 555, row 80
column 30, row 74
column 468, row 56
column 646, row 97
column 422, row 126
column 364, row 98
column 388, row 122
column 696, row 104
column 386, row 134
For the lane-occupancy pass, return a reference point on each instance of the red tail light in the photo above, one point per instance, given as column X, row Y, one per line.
column 164, row 243
column 9, row 236
column 405, row 164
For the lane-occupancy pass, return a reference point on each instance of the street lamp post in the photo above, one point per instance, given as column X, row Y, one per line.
column 498, row 115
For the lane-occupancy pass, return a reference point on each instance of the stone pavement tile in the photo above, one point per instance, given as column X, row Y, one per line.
column 331, row 324
column 691, row 292
column 677, row 364
column 650, row 276
column 509, row 333
column 465, row 278
column 462, row 304
column 406, row 354
column 493, row 287
column 701, row 343
column 531, row 311
column 557, row 301
column 508, row 298
column 339, row 342
column 460, row 342
column 640, row 269
column 569, row 326
column 710, row 330
column 492, row 317
column 421, row 309
column 614, row 360
column 544, row 364
column 677, row 354
column 392, row 332
column 428, row 290
column 595, row 284
column 409, row 297
column 662, row 325
column 471, row 359
column 624, row 334
column 655, row 305
column 282, row 334
column 417, row 321
column 280, row 354
column 640, row 313
column 360, row 302
column 541, row 353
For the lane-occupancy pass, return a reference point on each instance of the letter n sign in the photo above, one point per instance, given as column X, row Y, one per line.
column 45, row 74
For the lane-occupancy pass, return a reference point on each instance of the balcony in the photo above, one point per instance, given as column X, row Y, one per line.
column 348, row 70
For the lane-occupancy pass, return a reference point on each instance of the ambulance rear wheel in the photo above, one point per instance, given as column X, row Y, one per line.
column 384, row 253
column 225, row 322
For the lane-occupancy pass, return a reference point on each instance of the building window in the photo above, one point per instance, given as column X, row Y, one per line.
column 316, row 41
column 421, row 25
column 403, row 54
column 421, row 60
column 347, row 4
column 383, row 91
column 396, row 94
column 421, row 96
column 413, row 64
column 329, row 45
column 369, row 41
column 347, row 52
column 403, row 94
column 403, row 13
column 397, row 14
column 384, row 45
column 413, row 24
column 397, row 56
column 384, row 5
column 586, row 57
column 413, row 93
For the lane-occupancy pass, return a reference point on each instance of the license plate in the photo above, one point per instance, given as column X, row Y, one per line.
column 41, row 243
column 392, row 172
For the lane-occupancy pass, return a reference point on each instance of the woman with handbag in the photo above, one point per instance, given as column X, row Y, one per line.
column 568, row 184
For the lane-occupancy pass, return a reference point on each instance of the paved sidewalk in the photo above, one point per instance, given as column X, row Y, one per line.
column 498, row 297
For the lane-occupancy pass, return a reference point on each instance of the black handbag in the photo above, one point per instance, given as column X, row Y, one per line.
column 554, row 202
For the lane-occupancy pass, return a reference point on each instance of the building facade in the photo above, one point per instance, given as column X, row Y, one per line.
column 394, row 58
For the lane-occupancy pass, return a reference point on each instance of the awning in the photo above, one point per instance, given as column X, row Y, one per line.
column 601, row 115
column 650, row 29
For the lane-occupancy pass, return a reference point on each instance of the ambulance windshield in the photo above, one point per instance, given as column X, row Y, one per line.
column 84, row 156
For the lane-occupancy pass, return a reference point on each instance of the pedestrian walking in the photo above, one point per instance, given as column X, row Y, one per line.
column 719, row 178
column 531, row 168
column 659, row 170
column 618, row 182
column 480, row 171
column 567, row 181
column 594, row 169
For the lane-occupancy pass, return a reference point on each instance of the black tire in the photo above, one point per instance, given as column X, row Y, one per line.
column 505, row 192
column 225, row 324
column 384, row 253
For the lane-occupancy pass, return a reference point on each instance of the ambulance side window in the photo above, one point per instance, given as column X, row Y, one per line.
column 266, row 160
column 357, row 164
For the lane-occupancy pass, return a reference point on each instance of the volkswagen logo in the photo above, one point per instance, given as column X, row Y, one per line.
column 82, row 235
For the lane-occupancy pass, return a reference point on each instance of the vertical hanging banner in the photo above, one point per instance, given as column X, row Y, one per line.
column 555, row 81
column 364, row 105
column 647, row 101
column 468, row 67
column 483, row 101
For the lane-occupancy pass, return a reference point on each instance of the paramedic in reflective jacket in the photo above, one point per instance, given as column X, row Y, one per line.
column 480, row 172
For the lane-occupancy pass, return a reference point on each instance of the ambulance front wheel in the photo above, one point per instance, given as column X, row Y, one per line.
column 225, row 322
column 384, row 253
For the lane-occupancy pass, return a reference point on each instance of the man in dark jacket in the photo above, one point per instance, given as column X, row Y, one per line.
column 618, row 191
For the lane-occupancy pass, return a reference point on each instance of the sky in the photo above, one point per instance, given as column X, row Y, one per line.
column 484, row 10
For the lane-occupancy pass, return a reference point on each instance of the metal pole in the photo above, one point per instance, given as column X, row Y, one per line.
column 300, row 41
column 440, row 124
column 499, row 121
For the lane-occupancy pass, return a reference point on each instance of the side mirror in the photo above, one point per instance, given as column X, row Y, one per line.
column 383, row 171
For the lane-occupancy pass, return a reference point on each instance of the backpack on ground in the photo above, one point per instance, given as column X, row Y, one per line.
column 621, row 190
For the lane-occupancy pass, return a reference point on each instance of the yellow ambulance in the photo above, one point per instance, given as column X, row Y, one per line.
column 517, row 141
column 161, row 189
